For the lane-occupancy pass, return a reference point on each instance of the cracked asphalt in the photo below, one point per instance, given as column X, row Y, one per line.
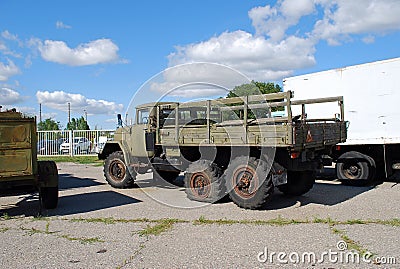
column 156, row 226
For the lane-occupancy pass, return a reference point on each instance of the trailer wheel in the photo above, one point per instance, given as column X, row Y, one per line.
column 168, row 176
column 298, row 183
column 249, row 182
column 116, row 172
column 355, row 169
column 203, row 182
column 48, row 174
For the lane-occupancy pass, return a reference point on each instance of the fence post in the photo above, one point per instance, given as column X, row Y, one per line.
column 71, row 141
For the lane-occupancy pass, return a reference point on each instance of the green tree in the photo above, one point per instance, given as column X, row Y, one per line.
column 78, row 124
column 48, row 125
column 254, row 88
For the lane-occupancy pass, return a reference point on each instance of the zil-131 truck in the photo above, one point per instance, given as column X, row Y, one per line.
column 243, row 147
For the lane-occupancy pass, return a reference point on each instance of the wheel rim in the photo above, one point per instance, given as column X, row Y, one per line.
column 245, row 181
column 200, row 185
column 352, row 171
column 117, row 170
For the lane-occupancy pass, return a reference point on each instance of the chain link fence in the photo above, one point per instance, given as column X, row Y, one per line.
column 72, row 143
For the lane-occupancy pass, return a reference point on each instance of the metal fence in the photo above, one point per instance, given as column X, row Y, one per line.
column 72, row 143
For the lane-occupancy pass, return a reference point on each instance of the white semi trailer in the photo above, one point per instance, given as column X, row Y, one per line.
column 371, row 94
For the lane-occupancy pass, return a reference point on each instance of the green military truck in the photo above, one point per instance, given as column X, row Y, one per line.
column 242, row 146
column 19, row 166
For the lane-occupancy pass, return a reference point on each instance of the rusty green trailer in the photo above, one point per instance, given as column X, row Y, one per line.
column 18, row 159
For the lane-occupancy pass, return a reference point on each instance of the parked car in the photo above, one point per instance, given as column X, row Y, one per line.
column 80, row 145
column 98, row 147
column 48, row 147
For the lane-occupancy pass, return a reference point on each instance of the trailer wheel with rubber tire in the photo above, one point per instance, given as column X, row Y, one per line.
column 116, row 172
column 48, row 175
column 203, row 182
column 249, row 182
column 355, row 169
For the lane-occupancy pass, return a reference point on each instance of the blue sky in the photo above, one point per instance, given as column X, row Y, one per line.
column 96, row 54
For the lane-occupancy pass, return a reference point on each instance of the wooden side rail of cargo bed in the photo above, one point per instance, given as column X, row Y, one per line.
column 246, row 104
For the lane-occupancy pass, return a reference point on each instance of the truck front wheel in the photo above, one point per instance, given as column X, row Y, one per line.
column 116, row 171
column 355, row 169
column 203, row 182
column 298, row 182
column 249, row 182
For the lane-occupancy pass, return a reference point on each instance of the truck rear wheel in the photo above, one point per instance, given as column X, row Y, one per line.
column 48, row 175
column 249, row 182
column 355, row 169
column 203, row 182
column 298, row 182
column 116, row 171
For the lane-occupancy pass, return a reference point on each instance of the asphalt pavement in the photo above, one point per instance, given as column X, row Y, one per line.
column 154, row 225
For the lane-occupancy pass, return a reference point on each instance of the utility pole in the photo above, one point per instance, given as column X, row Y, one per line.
column 40, row 112
column 69, row 112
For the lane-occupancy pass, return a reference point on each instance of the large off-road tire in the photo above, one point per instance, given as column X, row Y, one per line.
column 249, row 182
column 203, row 182
column 116, row 172
column 48, row 175
column 168, row 176
column 355, row 169
column 298, row 182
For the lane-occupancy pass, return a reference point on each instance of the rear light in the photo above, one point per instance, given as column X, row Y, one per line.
column 294, row 155
column 337, row 147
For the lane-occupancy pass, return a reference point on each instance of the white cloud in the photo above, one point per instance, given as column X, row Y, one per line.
column 255, row 56
column 59, row 100
column 274, row 21
column 197, row 80
column 10, row 97
column 7, row 35
column 273, row 52
column 8, row 70
column 94, row 52
column 344, row 18
column 61, row 25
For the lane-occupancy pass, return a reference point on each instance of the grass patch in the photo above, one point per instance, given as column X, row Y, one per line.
column 76, row 159
column 162, row 226
column 96, row 220
column 392, row 222
column 351, row 244
column 5, row 217
column 276, row 222
column 112, row 220
column 3, row 230
column 132, row 257
column 83, row 240
column 355, row 221
column 33, row 231
column 328, row 221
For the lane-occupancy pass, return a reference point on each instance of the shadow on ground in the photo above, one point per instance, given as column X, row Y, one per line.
column 322, row 193
column 67, row 181
column 87, row 201
column 71, row 204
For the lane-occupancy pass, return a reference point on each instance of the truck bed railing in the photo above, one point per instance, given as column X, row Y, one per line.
column 246, row 106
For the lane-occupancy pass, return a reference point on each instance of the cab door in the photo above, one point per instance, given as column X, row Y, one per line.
column 138, row 136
